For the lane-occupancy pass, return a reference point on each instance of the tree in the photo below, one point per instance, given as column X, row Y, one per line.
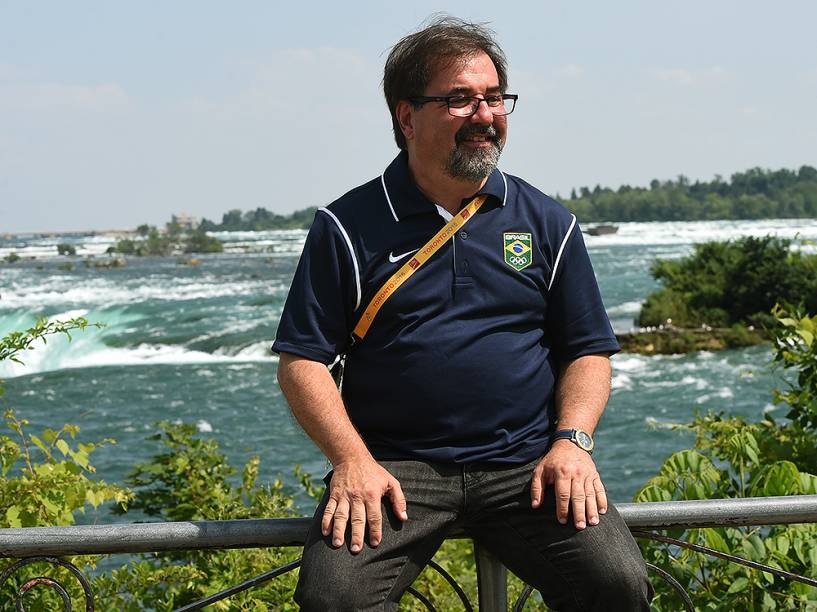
column 200, row 242
column 728, row 282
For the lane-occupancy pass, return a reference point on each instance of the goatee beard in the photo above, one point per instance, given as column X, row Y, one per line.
column 473, row 165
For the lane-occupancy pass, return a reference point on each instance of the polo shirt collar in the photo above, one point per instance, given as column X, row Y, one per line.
column 404, row 198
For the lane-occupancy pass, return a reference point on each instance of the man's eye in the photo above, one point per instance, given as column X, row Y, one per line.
column 494, row 100
column 459, row 102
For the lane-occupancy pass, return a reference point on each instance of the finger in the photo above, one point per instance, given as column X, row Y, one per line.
column 601, row 495
column 578, row 499
column 536, row 488
column 375, row 519
column 562, row 487
column 328, row 515
column 591, row 509
column 341, row 517
column 358, row 521
column 398, row 500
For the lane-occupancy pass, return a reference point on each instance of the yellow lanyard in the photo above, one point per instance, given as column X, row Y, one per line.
column 412, row 265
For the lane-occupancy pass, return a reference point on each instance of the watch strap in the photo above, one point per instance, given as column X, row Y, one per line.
column 573, row 436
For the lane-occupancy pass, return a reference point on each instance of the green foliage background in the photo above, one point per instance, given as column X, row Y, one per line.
column 754, row 194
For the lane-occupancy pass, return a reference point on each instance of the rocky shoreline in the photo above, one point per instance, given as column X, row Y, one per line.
column 669, row 340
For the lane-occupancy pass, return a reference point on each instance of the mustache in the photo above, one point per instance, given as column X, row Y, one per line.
column 467, row 131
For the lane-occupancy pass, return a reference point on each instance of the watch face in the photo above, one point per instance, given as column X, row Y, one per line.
column 584, row 440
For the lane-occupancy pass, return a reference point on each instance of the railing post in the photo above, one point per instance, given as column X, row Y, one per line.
column 492, row 581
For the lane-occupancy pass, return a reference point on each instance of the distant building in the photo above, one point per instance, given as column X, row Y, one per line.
column 185, row 221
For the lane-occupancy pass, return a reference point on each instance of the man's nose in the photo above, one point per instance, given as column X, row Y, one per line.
column 483, row 113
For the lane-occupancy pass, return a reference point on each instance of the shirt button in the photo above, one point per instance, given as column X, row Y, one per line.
column 463, row 234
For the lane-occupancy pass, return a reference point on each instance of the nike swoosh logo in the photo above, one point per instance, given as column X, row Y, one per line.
column 395, row 258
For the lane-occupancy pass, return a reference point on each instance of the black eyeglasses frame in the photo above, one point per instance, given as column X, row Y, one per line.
column 420, row 100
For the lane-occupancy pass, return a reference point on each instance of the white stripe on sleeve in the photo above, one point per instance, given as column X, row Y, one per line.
column 561, row 250
column 351, row 251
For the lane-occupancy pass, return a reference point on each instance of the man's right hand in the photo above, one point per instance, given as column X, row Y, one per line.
column 355, row 493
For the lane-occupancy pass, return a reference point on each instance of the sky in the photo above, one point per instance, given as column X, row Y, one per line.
column 114, row 114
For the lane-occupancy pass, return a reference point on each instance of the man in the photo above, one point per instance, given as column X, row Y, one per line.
column 471, row 401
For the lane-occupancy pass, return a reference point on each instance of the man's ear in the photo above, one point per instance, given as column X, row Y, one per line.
column 404, row 113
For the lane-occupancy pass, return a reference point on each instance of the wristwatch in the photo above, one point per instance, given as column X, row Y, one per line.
column 579, row 437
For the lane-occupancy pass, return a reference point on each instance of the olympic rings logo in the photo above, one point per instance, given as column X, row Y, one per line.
column 517, row 261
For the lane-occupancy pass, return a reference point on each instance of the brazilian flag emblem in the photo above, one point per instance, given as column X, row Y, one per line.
column 518, row 252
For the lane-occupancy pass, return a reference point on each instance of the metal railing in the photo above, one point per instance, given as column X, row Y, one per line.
column 37, row 544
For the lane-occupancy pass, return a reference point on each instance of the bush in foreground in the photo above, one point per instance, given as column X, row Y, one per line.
column 733, row 458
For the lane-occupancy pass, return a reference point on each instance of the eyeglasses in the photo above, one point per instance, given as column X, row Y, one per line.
column 465, row 106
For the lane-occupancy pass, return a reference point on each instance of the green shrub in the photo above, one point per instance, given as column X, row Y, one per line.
column 64, row 248
column 190, row 479
column 46, row 479
column 733, row 458
column 796, row 349
column 200, row 242
column 126, row 246
column 723, row 283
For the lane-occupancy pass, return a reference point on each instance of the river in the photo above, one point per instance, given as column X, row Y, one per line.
column 191, row 343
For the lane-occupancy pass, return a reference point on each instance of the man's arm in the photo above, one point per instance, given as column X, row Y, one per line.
column 582, row 391
column 358, row 482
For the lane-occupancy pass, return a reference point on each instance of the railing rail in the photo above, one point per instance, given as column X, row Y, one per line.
column 641, row 518
column 252, row 533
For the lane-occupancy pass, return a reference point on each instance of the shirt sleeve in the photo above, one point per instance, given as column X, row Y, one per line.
column 315, row 322
column 577, row 320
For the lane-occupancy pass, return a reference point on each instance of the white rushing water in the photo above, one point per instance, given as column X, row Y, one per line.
column 191, row 343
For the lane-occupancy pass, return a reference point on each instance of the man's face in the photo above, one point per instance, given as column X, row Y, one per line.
column 463, row 147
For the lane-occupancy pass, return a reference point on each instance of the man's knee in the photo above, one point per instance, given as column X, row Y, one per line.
column 623, row 586
column 329, row 587
column 334, row 581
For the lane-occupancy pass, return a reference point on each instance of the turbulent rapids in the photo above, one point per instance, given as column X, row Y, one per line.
column 192, row 343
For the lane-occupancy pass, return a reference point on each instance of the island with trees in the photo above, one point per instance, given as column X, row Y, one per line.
column 721, row 295
column 175, row 238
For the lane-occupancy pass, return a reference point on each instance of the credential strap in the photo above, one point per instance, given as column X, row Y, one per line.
column 412, row 265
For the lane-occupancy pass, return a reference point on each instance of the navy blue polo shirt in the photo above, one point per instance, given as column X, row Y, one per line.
column 460, row 363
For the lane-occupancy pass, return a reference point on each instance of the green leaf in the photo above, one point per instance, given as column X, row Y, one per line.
column 757, row 547
column 62, row 445
column 715, row 540
column 50, row 506
column 80, row 458
column 739, row 585
column 782, row 544
column 13, row 516
column 752, row 454
column 39, row 444
column 781, row 478
column 799, row 549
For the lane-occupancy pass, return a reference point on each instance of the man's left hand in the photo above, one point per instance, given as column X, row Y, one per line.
column 576, row 481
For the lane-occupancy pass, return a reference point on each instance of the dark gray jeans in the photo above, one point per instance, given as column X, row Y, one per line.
column 598, row 568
